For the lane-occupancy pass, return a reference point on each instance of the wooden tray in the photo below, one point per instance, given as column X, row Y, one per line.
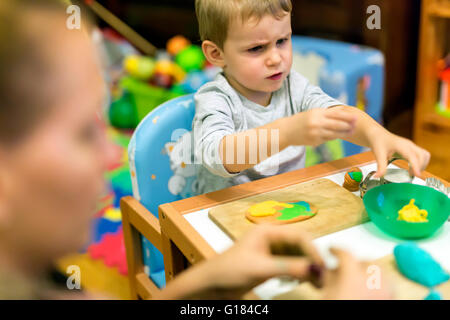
column 338, row 209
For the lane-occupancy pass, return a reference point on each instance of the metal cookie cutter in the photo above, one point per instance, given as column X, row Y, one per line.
column 402, row 176
column 438, row 185
column 396, row 175
column 368, row 184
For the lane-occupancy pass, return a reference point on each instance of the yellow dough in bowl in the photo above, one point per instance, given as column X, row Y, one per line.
column 411, row 213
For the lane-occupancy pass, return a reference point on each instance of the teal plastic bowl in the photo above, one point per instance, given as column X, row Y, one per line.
column 383, row 203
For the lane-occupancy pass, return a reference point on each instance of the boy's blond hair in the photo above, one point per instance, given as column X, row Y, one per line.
column 215, row 16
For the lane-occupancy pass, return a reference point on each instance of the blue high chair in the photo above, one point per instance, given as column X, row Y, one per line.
column 150, row 173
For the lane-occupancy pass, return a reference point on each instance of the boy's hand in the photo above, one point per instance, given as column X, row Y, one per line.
column 385, row 144
column 321, row 125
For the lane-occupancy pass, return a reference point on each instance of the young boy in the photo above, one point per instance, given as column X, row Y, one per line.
column 255, row 118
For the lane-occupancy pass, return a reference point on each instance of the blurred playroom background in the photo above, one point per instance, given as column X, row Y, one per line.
column 399, row 74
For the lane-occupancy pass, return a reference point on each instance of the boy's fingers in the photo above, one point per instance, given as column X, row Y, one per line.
column 381, row 158
column 424, row 157
column 418, row 159
column 414, row 160
column 427, row 157
column 415, row 164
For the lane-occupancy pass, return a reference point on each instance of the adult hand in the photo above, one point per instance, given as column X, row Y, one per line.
column 266, row 252
column 350, row 281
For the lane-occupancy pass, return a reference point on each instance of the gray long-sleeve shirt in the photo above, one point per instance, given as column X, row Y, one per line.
column 221, row 111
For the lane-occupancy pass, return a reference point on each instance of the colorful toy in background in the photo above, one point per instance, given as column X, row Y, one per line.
column 122, row 112
column 112, row 251
column 443, row 106
column 109, row 222
column 361, row 97
column 149, row 82
column 107, row 236
column 139, row 67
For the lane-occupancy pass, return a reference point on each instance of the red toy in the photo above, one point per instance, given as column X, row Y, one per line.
column 162, row 80
column 111, row 249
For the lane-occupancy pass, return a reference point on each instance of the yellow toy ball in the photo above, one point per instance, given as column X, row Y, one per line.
column 176, row 44
column 139, row 67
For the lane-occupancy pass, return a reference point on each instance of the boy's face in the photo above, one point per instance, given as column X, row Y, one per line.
column 258, row 57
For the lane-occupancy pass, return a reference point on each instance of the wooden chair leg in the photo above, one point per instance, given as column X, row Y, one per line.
column 137, row 220
column 174, row 260
column 133, row 247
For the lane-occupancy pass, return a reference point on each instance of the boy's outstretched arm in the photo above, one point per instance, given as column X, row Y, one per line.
column 315, row 127
column 369, row 133
column 243, row 150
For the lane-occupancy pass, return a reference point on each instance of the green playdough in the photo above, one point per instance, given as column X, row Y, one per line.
column 301, row 208
column 418, row 265
column 357, row 176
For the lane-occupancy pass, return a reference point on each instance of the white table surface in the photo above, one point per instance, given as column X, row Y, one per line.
column 371, row 242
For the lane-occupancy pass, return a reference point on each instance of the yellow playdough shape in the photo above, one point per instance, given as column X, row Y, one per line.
column 412, row 213
column 267, row 208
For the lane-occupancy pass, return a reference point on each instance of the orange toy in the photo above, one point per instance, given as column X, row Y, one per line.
column 176, row 44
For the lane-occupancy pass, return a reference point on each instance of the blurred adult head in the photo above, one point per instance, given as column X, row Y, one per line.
column 52, row 151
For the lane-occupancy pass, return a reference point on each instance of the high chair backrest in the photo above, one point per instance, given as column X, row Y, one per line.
column 150, row 165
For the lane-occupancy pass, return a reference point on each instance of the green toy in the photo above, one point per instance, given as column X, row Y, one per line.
column 178, row 90
column 191, row 58
column 122, row 113
column 383, row 203
column 144, row 96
